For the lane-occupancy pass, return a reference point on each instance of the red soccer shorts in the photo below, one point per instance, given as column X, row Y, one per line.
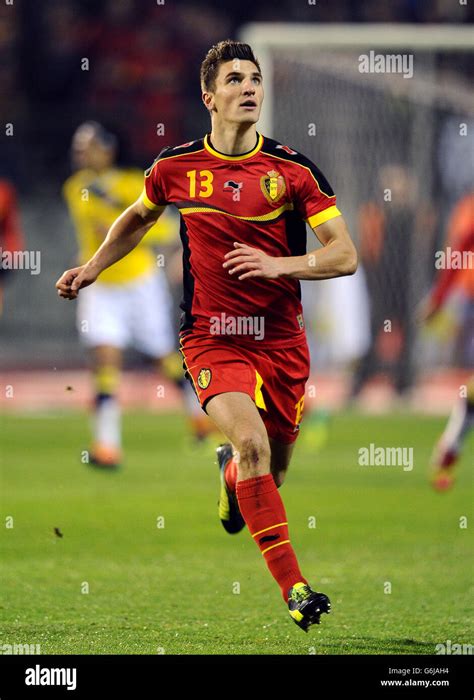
column 274, row 379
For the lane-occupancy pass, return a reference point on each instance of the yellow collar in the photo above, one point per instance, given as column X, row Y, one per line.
column 245, row 156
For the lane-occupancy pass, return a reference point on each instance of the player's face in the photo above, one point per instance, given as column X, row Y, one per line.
column 238, row 93
column 87, row 152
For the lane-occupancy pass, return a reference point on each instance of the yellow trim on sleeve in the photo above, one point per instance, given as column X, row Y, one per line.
column 323, row 216
column 148, row 203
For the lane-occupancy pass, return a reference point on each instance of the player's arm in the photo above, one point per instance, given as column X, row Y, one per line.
column 444, row 284
column 123, row 236
column 336, row 258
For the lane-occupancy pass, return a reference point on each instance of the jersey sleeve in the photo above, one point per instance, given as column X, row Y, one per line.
column 315, row 199
column 153, row 195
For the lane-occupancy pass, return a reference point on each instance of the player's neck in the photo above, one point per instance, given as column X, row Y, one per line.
column 232, row 139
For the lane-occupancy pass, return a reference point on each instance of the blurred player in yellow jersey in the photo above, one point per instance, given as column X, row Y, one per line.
column 116, row 312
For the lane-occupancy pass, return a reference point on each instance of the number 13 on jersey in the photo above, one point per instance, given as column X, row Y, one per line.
column 204, row 179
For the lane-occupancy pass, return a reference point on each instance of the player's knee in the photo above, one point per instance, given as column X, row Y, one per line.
column 254, row 454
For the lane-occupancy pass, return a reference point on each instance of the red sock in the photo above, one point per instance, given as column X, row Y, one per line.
column 263, row 511
column 230, row 474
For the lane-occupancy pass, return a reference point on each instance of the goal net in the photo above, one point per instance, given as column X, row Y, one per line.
column 387, row 113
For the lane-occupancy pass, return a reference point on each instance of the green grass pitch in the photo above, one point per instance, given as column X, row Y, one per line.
column 174, row 589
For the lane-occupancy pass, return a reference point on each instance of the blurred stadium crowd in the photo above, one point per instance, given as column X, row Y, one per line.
column 133, row 65
column 143, row 60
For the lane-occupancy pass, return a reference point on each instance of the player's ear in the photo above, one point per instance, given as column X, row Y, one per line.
column 208, row 100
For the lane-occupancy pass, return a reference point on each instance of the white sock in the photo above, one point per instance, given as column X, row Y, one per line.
column 458, row 424
column 107, row 422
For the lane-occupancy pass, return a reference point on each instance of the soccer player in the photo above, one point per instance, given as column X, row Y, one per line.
column 130, row 305
column 244, row 200
column 387, row 236
column 457, row 277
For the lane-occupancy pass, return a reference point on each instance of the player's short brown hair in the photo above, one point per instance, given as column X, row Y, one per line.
column 226, row 50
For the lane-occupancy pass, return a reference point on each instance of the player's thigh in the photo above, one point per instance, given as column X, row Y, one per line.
column 236, row 415
column 284, row 374
column 101, row 316
column 150, row 316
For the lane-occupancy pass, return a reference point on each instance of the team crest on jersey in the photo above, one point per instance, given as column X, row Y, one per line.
column 273, row 186
column 204, row 378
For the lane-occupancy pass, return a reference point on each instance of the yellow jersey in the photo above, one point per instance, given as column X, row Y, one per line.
column 94, row 201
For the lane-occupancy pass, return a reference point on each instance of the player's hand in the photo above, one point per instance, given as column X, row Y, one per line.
column 71, row 281
column 247, row 262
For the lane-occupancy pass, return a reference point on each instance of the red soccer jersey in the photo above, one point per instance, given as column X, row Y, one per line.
column 261, row 198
